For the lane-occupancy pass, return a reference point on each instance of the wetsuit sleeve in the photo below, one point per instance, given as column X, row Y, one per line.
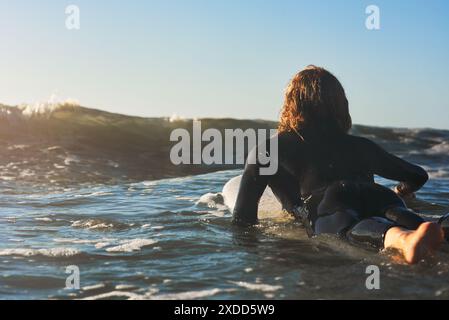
column 252, row 186
column 384, row 164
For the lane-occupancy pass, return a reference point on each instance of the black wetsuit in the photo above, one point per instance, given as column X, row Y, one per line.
column 327, row 181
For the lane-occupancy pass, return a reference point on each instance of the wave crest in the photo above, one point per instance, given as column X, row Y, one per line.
column 43, row 108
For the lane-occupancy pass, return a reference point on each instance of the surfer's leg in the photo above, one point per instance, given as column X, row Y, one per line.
column 370, row 232
column 414, row 245
column 351, row 202
column 401, row 228
column 377, row 200
column 404, row 217
column 381, row 201
column 410, row 220
column 339, row 209
column 336, row 223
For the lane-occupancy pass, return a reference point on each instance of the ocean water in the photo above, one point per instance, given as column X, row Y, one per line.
column 84, row 188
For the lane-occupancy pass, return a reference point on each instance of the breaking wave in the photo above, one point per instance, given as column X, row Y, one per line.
column 63, row 143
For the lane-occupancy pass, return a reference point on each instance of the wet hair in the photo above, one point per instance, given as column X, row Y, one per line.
column 315, row 100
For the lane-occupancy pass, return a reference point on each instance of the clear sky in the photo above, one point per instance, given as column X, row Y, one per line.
column 233, row 58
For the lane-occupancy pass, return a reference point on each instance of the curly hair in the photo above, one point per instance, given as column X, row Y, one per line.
column 315, row 99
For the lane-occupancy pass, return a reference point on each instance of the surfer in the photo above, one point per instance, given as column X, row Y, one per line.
column 326, row 176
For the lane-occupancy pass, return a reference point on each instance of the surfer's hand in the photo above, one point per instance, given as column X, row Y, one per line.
column 404, row 195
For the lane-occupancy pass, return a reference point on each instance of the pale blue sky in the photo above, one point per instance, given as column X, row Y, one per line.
column 199, row 58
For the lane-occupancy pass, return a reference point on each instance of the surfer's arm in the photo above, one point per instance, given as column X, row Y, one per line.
column 252, row 186
column 387, row 165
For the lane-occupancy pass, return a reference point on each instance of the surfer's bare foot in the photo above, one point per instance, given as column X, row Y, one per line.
column 415, row 245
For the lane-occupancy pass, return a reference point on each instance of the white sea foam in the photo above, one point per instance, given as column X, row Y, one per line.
column 52, row 252
column 121, row 287
column 16, row 240
column 18, row 147
column 189, row 295
column 441, row 148
column 92, row 224
column 93, row 287
column 26, row 173
column 131, row 245
column 152, row 295
column 116, row 294
column 11, row 219
column 82, row 241
column 184, row 198
column 113, row 164
column 112, row 245
column 438, row 174
column 101, row 245
column 257, row 286
column 176, row 118
column 213, row 201
column 93, row 194
column 68, row 160
column 45, row 107
column 7, row 178
column 44, row 219
column 36, row 109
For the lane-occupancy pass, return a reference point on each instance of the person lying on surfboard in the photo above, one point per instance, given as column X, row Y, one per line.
column 326, row 176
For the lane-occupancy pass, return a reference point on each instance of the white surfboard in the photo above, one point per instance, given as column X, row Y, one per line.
column 269, row 206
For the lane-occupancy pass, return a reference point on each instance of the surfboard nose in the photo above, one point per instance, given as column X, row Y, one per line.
column 230, row 192
column 269, row 205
